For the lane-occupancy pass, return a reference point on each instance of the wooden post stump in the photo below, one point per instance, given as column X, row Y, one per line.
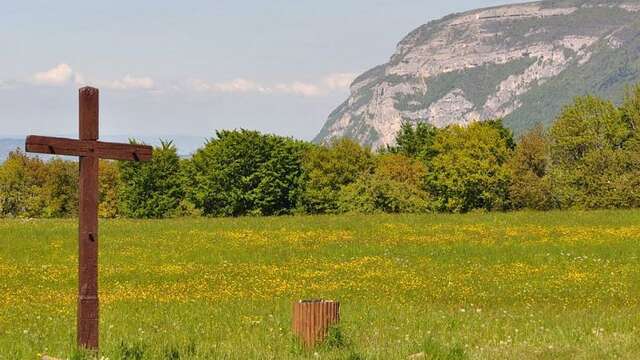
column 313, row 318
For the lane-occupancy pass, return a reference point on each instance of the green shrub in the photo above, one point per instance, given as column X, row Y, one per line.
column 330, row 168
column 530, row 184
column 395, row 186
column 469, row 168
column 595, row 156
column 109, row 189
column 246, row 173
column 415, row 141
column 60, row 188
column 30, row 187
column 152, row 189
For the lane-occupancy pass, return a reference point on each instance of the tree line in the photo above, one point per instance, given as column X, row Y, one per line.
column 588, row 159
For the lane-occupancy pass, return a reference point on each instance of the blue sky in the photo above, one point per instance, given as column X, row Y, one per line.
column 189, row 67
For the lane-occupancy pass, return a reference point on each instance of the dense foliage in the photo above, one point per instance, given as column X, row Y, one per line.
column 30, row 187
column 245, row 173
column 395, row 185
column 152, row 189
column 529, row 166
column 589, row 159
column 468, row 171
column 328, row 169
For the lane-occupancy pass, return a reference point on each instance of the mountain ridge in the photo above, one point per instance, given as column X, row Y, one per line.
column 520, row 62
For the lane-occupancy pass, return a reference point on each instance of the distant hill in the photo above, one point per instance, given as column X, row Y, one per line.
column 186, row 144
column 520, row 62
column 7, row 145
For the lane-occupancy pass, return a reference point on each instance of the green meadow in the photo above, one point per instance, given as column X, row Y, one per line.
column 525, row 285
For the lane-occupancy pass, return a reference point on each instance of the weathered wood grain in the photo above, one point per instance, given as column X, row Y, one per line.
column 312, row 320
column 90, row 151
column 88, row 303
column 100, row 149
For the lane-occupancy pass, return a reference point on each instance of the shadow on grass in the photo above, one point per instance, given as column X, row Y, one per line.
column 336, row 340
column 434, row 350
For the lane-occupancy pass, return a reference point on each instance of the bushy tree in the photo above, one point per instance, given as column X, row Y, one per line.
column 395, row 186
column 589, row 159
column 414, row 140
column 631, row 116
column 244, row 172
column 530, row 184
column 592, row 151
column 328, row 169
column 504, row 132
column 30, row 187
column 21, row 182
column 109, row 189
column 610, row 181
column 60, row 188
column 631, row 109
column 589, row 124
column 469, row 168
column 152, row 189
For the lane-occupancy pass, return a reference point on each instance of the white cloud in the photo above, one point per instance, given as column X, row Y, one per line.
column 330, row 83
column 238, row 85
column 59, row 75
column 339, row 81
column 299, row 88
column 63, row 74
column 130, row 82
column 79, row 79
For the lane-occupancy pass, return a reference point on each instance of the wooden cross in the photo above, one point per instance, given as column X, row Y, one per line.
column 90, row 151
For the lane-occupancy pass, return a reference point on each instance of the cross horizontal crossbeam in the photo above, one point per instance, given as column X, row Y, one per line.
column 100, row 149
column 90, row 150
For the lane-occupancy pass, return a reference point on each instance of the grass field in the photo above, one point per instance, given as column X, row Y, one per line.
column 559, row 285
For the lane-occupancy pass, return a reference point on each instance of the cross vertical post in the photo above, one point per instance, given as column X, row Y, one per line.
column 87, row 317
column 90, row 151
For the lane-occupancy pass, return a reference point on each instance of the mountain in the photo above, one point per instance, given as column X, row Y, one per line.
column 8, row 145
column 520, row 62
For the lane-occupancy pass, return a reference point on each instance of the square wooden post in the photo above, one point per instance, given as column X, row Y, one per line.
column 88, row 303
column 90, row 151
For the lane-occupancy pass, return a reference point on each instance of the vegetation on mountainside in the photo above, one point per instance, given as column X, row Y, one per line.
column 529, row 66
column 477, row 84
column 605, row 76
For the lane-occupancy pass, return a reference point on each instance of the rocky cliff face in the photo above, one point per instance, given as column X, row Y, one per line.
column 518, row 62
